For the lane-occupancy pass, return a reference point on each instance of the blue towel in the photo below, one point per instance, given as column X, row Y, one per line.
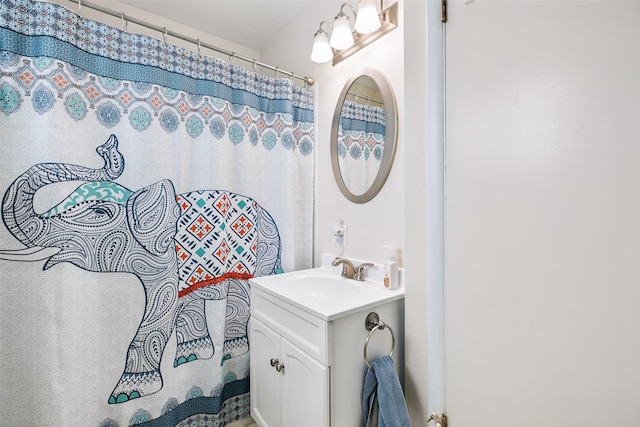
column 383, row 403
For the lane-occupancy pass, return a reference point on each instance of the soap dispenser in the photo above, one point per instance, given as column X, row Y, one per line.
column 391, row 268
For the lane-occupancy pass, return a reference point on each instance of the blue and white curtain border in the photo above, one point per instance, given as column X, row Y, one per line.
column 364, row 118
column 33, row 28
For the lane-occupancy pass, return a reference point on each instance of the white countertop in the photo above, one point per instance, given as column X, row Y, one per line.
column 323, row 293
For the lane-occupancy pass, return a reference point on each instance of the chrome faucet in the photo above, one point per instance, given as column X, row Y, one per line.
column 349, row 270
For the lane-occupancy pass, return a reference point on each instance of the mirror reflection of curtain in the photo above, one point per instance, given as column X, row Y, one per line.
column 360, row 144
column 187, row 121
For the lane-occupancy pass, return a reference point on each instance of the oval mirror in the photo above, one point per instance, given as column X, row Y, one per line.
column 363, row 136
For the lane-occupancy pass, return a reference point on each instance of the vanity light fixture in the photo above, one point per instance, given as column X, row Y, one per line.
column 342, row 41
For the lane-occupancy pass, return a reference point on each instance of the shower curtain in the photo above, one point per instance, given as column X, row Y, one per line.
column 360, row 144
column 145, row 184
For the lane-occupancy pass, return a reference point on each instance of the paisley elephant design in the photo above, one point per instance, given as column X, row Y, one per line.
column 184, row 249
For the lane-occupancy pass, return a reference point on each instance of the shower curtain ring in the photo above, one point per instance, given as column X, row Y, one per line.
column 198, row 46
column 124, row 21
column 254, row 65
column 164, row 35
column 276, row 73
column 231, row 56
column 79, row 6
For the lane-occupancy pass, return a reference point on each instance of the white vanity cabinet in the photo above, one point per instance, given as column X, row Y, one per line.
column 307, row 365
column 288, row 388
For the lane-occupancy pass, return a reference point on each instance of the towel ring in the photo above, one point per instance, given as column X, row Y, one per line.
column 373, row 323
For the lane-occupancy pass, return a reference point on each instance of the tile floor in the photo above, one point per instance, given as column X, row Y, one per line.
column 245, row 422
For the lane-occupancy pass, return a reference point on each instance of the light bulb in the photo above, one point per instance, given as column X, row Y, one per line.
column 341, row 37
column 367, row 20
column 321, row 51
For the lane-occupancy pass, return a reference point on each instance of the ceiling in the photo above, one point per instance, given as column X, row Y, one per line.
column 251, row 23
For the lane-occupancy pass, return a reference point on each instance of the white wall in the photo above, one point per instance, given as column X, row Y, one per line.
column 424, row 126
column 381, row 220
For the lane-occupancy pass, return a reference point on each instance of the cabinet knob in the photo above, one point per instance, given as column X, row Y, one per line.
column 276, row 364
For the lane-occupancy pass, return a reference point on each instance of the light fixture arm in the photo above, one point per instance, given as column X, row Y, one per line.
column 320, row 30
column 341, row 13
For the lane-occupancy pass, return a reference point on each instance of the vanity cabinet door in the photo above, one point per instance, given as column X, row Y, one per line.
column 305, row 392
column 266, row 382
column 289, row 388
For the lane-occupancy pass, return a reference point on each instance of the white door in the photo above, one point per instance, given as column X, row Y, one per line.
column 543, row 213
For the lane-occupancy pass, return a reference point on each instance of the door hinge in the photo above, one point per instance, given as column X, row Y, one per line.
column 440, row 420
column 443, row 9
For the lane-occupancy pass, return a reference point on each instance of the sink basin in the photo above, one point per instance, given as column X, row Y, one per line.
column 323, row 292
column 323, row 285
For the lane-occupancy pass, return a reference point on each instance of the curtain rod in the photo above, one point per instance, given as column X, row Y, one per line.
column 365, row 97
column 166, row 32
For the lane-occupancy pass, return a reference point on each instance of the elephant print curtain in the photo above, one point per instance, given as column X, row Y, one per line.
column 144, row 185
